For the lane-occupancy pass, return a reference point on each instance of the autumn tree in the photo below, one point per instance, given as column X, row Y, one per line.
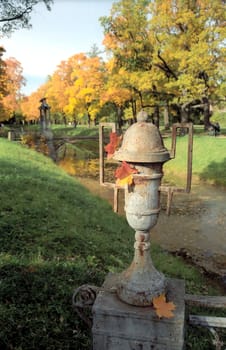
column 56, row 88
column 16, row 14
column 13, row 85
column 189, row 51
column 11, row 81
column 73, row 90
column 30, row 105
column 3, row 80
column 87, row 83
column 115, row 91
column 172, row 52
column 126, row 38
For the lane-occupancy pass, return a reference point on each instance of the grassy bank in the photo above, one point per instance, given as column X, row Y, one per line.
column 55, row 236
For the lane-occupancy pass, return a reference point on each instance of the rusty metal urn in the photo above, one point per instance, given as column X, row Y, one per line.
column 143, row 148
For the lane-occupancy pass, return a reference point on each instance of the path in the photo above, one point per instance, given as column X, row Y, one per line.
column 195, row 229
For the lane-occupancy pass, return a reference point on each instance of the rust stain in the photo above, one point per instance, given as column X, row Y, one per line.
column 142, row 237
column 141, row 244
column 141, row 249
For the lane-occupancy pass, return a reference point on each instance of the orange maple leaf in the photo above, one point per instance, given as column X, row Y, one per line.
column 162, row 307
column 110, row 148
column 124, row 174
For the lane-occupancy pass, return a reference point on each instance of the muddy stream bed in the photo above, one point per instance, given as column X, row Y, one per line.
column 195, row 229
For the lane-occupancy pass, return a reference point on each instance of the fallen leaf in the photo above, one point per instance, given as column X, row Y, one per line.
column 111, row 147
column 162, row 307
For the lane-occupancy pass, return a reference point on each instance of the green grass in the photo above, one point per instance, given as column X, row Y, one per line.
column 59, row 129
column 55, row 236
column 209, row 160
column 220, row 117
column 80, row 130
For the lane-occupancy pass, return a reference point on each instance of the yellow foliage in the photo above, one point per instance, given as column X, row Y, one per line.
column 159, row 52
column 127, row 181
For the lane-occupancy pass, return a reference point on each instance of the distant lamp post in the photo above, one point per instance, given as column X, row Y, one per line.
column 44, row 109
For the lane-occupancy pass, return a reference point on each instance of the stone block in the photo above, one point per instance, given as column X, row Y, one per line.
column 120, row 326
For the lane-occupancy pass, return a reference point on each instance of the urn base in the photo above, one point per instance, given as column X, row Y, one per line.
column 139, row 288
column 120, row 326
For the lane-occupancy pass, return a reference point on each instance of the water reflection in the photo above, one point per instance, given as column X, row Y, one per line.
column 88, row 168
column 80, row 167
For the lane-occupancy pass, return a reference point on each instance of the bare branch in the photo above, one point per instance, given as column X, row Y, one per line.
column 165, row 67
column 17, row 16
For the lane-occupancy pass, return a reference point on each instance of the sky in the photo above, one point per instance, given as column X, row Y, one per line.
column 71, row 27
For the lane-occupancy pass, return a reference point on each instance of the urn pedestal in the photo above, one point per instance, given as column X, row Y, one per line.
column 123, row 316
column 120, row 326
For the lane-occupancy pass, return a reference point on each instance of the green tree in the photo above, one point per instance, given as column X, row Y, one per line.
column 94, row 51
column 15, row 14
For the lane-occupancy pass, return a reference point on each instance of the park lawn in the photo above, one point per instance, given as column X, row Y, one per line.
column 209, row 160
column 55, row 236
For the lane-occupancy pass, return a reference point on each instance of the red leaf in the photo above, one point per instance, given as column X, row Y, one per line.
column 113, row 144
column 124, row 171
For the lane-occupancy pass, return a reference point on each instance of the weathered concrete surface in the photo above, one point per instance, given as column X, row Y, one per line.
column 119, row 326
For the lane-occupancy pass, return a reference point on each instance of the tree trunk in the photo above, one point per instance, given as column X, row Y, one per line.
column 156, row 116
column 134, row 109
column 43, row 120
column 185, row 115
column 75, row 122
column 119, row 116
column 206, row 113
column 166, row 117
column 89, row 119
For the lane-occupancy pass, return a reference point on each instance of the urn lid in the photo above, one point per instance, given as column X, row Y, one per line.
column 142, row 143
